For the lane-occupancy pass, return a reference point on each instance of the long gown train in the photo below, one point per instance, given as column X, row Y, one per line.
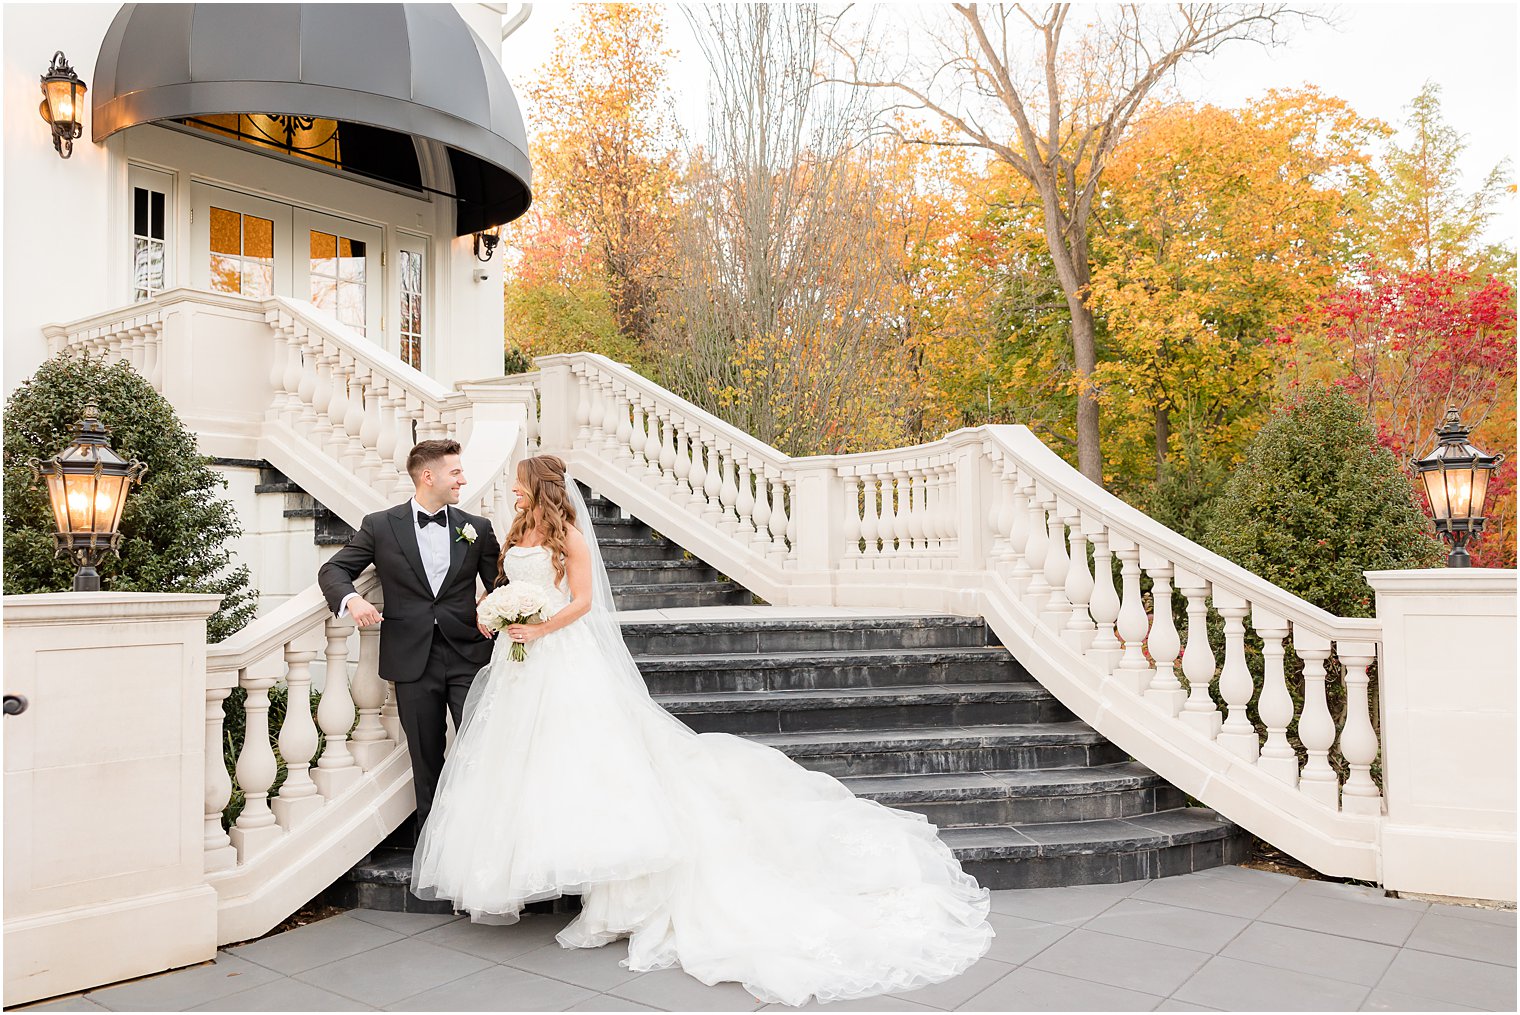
column 704, row 850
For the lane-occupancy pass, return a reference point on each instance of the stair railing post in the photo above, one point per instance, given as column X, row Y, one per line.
column 1278, row 759
column 220, row 854
column 336, row 770
column 557, row 422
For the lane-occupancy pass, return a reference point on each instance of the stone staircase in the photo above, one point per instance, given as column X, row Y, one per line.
column 327, row 528
column 924, row 714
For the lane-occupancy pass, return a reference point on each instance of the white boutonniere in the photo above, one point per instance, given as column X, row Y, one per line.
column 467, row 533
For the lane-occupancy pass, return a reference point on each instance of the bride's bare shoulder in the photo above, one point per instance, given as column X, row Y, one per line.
column 574, row 541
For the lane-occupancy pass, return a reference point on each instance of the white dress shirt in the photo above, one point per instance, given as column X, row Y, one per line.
column 432, row 544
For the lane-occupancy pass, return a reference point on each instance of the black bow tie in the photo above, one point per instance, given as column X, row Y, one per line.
column 441, row 518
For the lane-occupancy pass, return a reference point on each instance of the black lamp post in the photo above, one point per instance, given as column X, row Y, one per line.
column 87, row 486
column 1456, row 477
column 63, row 104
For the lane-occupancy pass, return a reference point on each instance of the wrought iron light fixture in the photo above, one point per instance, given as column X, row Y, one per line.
column 87, row 486
column 1456, row 477
column 486, row 240
column 63, row 104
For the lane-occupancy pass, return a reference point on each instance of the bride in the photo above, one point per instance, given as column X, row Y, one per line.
column 703, row 850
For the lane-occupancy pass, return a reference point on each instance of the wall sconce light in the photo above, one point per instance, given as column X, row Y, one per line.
column 87, row 485
column 486, row 240
column 63, row 104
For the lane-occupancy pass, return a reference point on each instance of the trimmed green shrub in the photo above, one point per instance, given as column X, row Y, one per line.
column 174, row 528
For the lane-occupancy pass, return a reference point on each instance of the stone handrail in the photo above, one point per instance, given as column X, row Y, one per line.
column 990, row 521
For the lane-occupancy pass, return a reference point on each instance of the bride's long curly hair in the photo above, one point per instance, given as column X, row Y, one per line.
column 546, row 511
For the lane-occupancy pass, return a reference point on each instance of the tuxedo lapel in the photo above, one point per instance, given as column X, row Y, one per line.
column 405, row 529
column 457, row 547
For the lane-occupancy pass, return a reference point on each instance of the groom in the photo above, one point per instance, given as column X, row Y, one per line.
column 428, row 554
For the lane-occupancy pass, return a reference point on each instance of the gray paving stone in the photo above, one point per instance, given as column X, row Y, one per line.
column 1233, row 985
column 179, row 989
column 594, row 968
column 1482, row 914
column 315, row 944
column 1366, row 920
column 674, row 990
column 1308, row 951
column 1248, row 875
column 1360, row 893
column 1227, row 896
column 1448, row 978
column 1392, row 1000
column 1019, row 940
column 284, row 994
column 1438, row 931
column 1056, row 905
column 1184, row 928
column 76, row 1003
column 497, row 942
column 394, row 971
column 952, row 994
column 1172, row 1004
column 402, row 923
column 1145, row 966
column 1035, row 990
column 497, row 988
column 606, row 1002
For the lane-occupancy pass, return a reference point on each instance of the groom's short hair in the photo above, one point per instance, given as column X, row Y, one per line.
column 426, row 453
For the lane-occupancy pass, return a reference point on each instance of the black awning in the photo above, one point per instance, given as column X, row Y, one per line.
column 414, row 69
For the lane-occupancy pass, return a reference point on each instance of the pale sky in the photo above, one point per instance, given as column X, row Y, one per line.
column 1377, row 58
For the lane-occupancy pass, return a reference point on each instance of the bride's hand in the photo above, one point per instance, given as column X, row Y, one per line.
column 524, row 632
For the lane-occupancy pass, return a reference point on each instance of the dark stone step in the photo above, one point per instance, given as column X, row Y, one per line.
column 277, row 486
column 708, row 637
column 658, row 572
column 640, row 548
column 1098, row 852
column 797, row 671
column 871, row 708
column 1027, row 797
column 680, row 594
column 935, row 751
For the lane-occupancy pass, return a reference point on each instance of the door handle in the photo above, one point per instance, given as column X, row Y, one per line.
column 15, row 704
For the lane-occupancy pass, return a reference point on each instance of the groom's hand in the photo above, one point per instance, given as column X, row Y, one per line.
column 363, row 613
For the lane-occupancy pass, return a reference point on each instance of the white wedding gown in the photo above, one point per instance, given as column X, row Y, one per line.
column 704, row 850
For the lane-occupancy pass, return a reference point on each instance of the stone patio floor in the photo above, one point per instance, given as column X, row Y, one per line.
column 1231, row 939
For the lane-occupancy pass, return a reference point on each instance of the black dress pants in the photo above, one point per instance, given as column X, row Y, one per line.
column 421, row 703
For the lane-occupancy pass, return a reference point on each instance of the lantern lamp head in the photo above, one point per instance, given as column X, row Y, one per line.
column 87, row 486
column 1456, row 475
column 63, row 104
column 485, row 242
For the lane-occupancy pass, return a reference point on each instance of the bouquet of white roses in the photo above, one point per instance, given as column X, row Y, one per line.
column 517, row 603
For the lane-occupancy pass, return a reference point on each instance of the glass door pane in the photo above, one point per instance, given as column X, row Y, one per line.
column 341, row 261
column 241, row 243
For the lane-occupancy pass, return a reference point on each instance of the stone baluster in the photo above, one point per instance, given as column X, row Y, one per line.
column 290, row 412
column 1237, row 735
column 778, row 520
column 353, row 416
column 306, row 420
column 298, row 799
column 1035, row 549
column 918, row 513
column 1080, row 629
column 387, row 429
column 390, row 716
column 997, row 507
column 1134, row 669
column 712, row 482
column 582, row 408
column 1105, row 649
column 870, row 526
column 154, row 370
column 255, row 829
column 1359, row 744
column 219, row 853
column 745, row 505
column 432, row 426
column 936, row 518
column 652, row 445
column 728, row 494
column 1278, row 759
column 1163, row 642
column 597, row 415
column 322, row 360
column 667, row 458
column 681, row 468
column 279, row 356
column 760, row 511
column 607, row 444
column 949, row 492
column 1316, row 728
column 850, row 503
column 1018, row 534
column 336, row 770
column 534, row 423
column 1196, row 705
column 639, row 436
column 791, row 522
column 623, row 437
column 1057, row 607
column 337, row 405
column 370, row 743
column 697, row 477
column 1014, row 515
column 370, row 465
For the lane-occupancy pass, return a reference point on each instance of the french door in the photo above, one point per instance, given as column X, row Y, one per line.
column 256, row 247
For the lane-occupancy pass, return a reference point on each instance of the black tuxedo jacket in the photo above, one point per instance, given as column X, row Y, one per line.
column 388, row 539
